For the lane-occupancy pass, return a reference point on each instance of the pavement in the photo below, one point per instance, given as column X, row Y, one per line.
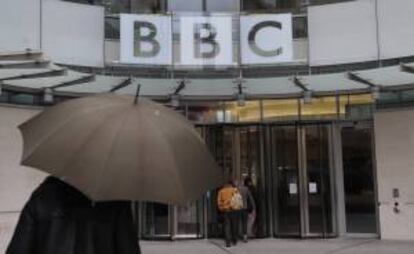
column 280, row 246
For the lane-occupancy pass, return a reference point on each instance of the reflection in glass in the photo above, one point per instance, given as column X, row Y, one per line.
column 4, row 96
column 112, row 28
column 185, row 5
column 280, row 109
column 220, row 142
column 285, row 181
column 21, row 98
column 250, row 166
column 250, row 112
column 319, row 107
column 223, row 5
column 356, row 106
column 205, row 112
column 358, row 180
column 318, row 184
column 300, row 27
column 255, row 5
column 146, row 6
column 156, row 220
column 189, row 220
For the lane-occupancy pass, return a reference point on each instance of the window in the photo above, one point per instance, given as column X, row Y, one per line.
column 280, row 109
column 112, row 28
column 300, row 27
column 249, row 112
column 131, row 6
column 356, row 106
column 257, row 5
column 322, row 107
column 223, row 5
column 185, row 5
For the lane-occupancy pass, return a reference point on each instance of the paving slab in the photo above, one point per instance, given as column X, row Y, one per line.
column 282, row 246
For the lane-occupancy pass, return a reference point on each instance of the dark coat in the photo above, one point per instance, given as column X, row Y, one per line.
column 58, row 219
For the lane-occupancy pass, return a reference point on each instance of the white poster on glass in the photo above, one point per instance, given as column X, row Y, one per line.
column 206, row 40
column 266, row 38
column 146, row 39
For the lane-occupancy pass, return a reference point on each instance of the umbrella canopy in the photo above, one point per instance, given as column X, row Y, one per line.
column 111, row 149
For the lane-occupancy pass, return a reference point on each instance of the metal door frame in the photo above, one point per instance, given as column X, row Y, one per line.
column 341, row 219
column 303, row 180
column 143, row 227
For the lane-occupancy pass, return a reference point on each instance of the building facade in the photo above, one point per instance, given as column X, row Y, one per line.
column 325, row 135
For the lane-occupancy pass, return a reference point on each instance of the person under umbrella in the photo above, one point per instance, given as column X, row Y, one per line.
column 58, row 219
column 106, row 148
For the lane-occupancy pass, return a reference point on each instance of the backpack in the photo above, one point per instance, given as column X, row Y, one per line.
column 236, row 202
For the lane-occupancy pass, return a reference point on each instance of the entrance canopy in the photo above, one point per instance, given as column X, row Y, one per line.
column 19, row 73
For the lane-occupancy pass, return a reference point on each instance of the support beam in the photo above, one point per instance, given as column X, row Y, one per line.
column 24, row 64
column 78, row 81
column 180, row 87
column 46, row 73
column 406, row 68
column 123, row 84
column 355, row 77
column 21, row 55
column 300, row 84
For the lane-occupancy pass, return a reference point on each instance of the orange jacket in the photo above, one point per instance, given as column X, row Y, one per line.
column 224, row 198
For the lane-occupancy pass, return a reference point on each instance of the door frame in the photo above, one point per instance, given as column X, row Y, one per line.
column 302, row 181
column 341, row 218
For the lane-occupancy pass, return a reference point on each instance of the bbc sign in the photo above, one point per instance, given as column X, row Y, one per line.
column 206, row 40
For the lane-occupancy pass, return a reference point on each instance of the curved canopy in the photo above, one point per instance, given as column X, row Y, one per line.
column 34, row 78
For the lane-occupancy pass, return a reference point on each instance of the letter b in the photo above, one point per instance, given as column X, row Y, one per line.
column 210, row 39
column 149, row 38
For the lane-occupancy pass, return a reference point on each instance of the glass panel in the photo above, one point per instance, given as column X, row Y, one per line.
column 320, row 107
column 255, row 5
column 300, row 27
column 118, row 6
column 359, row 180
column 250, row 112
column 285, row 180
column 112, row 28
column 356, row 106
column 206, row 112
column 250, row 166
column 22, row 98
column 289, row 4
column 157, row 220
column 4, row 96
column 280, row 109
column 220, row 141
column 185, row 5
column 318, row 184
column 407, row 96
column 146, row 6
column 389, row 98
column 223, row 5
column 188, row 220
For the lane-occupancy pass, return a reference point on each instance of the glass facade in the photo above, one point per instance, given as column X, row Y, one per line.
column 357, row 157
column 133, row 6
column 297, row 7
column 285, row 147
column 317, row 108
